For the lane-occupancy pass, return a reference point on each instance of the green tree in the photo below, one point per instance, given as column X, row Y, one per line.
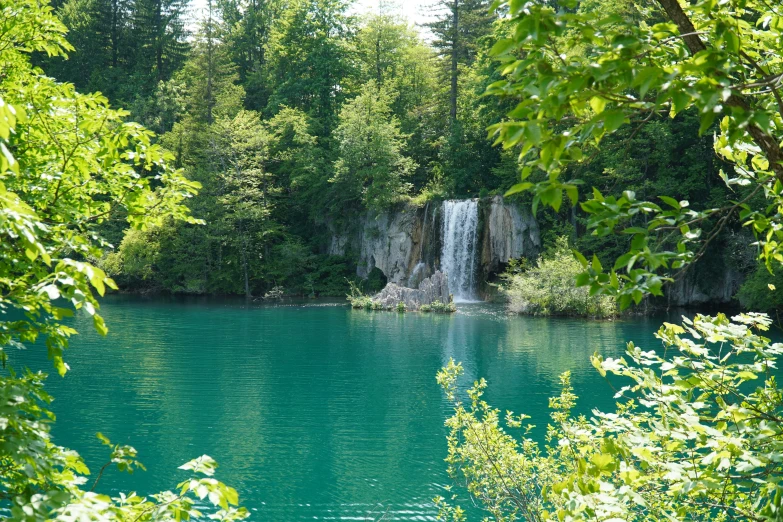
column 694, row 436
column 381, row 45
column 247, row 24
column 249, row 189
column 371, row 168
column 159, row 37
column 296, row 161
column 392, row 54
column 472, row 166
column 68, row 163
column 308, row 53
column 210, row 78
column 460, row 24
column 704, row 57
column 102, row 58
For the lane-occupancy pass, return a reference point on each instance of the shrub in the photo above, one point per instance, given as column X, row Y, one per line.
column 760, row 291
column 443, row 308
column 548, row 288
column 696, row 436
column 401, row 307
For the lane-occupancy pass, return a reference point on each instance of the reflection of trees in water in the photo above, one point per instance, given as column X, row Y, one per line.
column 388, row 452
column 553, row 346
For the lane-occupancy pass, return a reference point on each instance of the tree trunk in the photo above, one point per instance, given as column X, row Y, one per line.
column 766, row 143
column 378, row 75
column 115, row 13
column 210, row 64
column 454, row 56
column 243, row 248
column 159, row 38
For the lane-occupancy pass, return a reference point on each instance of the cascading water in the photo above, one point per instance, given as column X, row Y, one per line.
column 458, row 258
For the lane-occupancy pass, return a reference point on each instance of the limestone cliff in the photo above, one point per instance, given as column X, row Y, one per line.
column 509, row 232
column 401, row 243
column 405, row 243
column 690, row 290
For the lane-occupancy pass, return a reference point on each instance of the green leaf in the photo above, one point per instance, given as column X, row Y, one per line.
column 680, row 101
column 100, row 325
column 613, row 119
column 579, row 257
column 731, row 41
column 519, row 187
column 501, row 46
column 597, row 104
column 670, row 201
column 706, row 120
column 573, row 194
column 602, row 461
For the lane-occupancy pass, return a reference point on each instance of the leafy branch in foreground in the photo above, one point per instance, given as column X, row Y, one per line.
column 68, row 162
column 696, row 436
column 581, row 73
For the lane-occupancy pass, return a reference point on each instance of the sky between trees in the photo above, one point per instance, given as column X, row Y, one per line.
column 418, row 12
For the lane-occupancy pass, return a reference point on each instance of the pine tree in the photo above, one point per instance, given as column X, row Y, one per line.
column 246, row 25
column 160, row 38
column 459, row 25
column 99, row 33
column 115, row 22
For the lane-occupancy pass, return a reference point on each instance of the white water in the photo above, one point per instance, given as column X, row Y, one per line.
column 458, row 258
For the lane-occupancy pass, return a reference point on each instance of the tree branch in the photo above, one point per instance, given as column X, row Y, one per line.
column 767, row 143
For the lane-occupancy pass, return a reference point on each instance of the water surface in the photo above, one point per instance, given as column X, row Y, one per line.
column 313, row 412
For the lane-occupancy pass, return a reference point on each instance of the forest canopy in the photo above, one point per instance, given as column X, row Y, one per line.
column 297, row 118
column 288, row 117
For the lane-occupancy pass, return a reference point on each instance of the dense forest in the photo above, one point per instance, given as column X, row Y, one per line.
column 297, row 116
column 647, row 136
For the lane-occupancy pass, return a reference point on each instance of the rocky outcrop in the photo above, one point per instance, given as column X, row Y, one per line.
column 429, row 290
column 403, row 243
column 388, row 241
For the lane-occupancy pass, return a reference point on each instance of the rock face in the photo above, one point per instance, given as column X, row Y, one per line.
column 509, row 232
column 402, row 243
column 689, row 291
column 429, row 290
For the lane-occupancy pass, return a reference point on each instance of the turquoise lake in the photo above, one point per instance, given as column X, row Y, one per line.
column 314, row 411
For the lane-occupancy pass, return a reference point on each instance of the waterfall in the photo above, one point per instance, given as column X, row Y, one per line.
column 458, row 258
column 417, row 274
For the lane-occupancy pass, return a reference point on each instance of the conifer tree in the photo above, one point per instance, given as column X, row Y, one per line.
column 459, row 25
column 247, row 27
column 160, row 38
